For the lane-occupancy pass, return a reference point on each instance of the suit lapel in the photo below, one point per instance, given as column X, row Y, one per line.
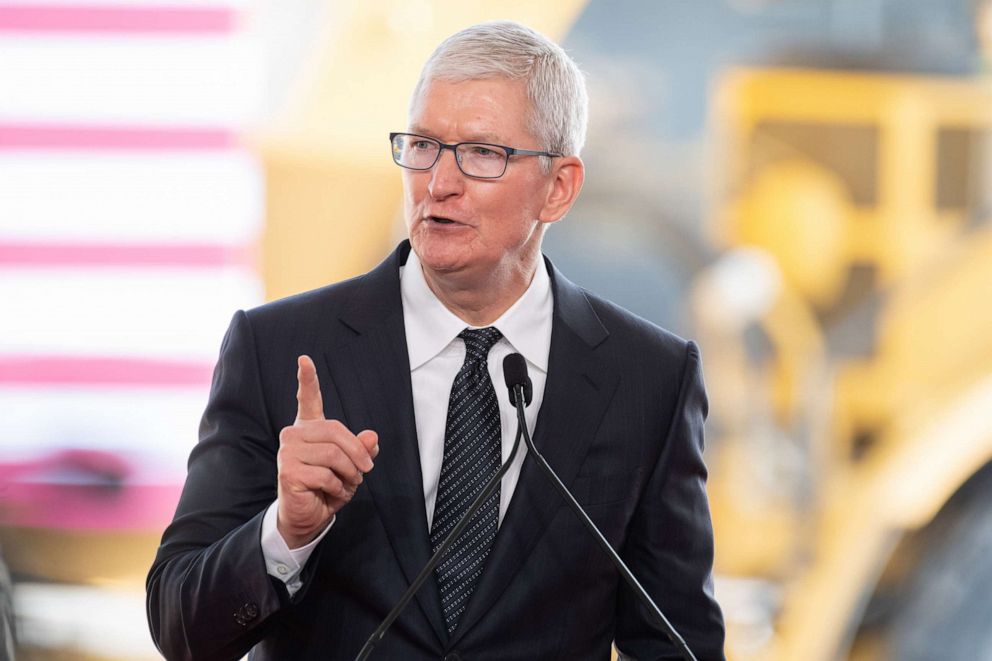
column 376, row 360
column 578, row 390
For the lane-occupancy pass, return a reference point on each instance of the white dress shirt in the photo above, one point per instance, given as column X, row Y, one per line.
column 436, row 354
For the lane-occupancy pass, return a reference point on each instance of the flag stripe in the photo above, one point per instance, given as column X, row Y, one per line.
column 116, row 19
column 115, row 255
column 90, row 137
column 20, row 370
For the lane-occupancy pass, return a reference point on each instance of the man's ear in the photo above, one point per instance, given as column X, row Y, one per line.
column 567, row 176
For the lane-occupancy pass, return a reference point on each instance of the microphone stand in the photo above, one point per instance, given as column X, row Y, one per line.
column 628, row 576
column 490, row 488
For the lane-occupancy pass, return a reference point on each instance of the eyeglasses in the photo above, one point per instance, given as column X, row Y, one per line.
column 480, row 160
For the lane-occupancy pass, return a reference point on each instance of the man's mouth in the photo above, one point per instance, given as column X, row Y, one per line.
column 441, row 220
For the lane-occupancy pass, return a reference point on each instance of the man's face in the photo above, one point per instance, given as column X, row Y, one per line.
column 480, row 228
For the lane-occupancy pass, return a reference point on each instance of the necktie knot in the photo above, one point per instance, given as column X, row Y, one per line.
column 478, row 342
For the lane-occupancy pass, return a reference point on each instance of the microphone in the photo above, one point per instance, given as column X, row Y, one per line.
column 526, row 391
column 515, row 374
column 521, row 390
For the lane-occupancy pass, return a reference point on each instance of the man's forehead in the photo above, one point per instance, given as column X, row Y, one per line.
column 490, row 109
column 505, row 84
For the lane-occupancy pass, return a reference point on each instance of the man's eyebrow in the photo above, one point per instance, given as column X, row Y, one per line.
column 489, row 138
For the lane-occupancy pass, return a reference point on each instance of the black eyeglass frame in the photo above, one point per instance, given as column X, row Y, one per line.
column 510, row 151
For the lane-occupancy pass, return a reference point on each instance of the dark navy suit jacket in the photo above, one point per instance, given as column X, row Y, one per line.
column 621, row 423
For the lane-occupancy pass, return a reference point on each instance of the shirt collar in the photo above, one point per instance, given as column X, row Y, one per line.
column 430, row 327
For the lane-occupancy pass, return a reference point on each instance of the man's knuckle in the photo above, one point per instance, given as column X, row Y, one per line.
column 287, row 455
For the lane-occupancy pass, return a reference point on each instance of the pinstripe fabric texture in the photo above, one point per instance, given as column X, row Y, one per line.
column 471, row 458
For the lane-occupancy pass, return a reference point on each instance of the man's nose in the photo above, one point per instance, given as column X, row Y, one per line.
column 446, row 178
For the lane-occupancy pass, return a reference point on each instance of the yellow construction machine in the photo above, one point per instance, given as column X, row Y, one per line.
column 847, row 333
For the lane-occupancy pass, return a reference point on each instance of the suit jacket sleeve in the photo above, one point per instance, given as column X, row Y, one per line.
column 208, row 593
column 669, row 544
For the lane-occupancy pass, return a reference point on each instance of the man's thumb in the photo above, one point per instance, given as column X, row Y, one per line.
column 370, row 440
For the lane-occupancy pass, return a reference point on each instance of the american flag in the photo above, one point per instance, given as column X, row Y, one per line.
column 130, row 217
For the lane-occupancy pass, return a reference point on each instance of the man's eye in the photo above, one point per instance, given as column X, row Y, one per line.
column 422, row 145
column 484, row 152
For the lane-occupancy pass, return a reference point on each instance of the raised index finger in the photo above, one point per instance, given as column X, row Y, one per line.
column 310, row 405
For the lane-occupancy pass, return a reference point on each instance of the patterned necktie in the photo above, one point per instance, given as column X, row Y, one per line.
column 471, row 458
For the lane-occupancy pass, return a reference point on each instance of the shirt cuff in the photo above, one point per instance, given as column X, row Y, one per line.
column 281, row 561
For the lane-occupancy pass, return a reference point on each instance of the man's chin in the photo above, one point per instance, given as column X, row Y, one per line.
column 441, row 265
column 439, row 255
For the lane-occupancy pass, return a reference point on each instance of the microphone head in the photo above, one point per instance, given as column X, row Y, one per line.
column 515, row 374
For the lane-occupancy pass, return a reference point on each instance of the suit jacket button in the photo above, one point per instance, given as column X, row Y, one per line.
column 452, row 656
column 246, row 614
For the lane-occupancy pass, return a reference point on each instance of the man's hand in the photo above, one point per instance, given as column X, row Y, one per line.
column 321, row 463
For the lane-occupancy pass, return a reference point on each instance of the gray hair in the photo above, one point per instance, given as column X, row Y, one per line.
column 555, row 85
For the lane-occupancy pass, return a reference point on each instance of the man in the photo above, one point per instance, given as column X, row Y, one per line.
column 296, row 534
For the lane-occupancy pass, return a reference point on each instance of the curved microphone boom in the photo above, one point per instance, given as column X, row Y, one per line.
column 521, row 390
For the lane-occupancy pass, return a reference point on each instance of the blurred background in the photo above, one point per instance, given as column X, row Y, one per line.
column 803, row 186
